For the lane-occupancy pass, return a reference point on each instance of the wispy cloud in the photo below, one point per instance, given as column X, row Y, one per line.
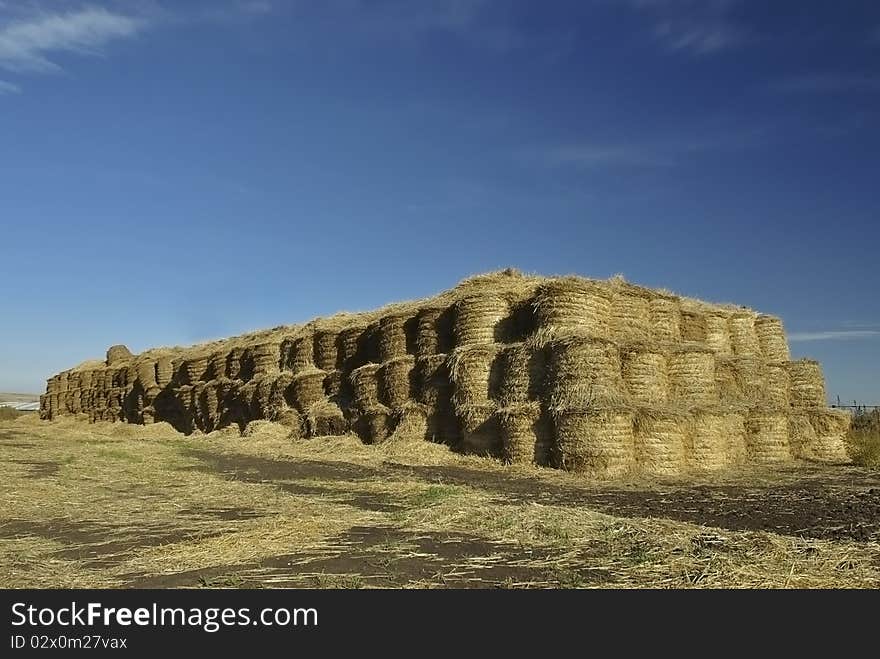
column 651, row 152
column 27, row 43
column 8, row 88
column 697, row 27
column 834, row 335
column 828, row 83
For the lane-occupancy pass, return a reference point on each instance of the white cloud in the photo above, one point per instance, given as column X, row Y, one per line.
column 828, row 83
column 838, row 335
column 700, row 38
column 8, row 88
column 25, row 44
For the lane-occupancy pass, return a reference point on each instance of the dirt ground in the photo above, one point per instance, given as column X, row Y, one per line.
column 123, row 506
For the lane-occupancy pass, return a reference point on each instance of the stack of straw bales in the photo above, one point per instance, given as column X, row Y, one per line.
column 600, row 377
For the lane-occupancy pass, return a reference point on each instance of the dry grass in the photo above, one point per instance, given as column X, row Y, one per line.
column 863, row 440
column 106, row 505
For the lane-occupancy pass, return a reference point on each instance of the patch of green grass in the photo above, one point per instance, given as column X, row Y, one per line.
column 432, row 495
column 119, row 454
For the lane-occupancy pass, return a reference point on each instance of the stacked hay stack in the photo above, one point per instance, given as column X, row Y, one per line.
column 605, row 378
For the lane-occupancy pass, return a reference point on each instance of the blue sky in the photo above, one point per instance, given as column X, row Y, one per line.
column 177, row 171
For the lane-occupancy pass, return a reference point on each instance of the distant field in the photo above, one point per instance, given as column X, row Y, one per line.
column 18, row 398
column 127, row 506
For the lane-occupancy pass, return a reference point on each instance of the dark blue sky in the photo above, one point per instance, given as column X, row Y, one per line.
column 177, row 171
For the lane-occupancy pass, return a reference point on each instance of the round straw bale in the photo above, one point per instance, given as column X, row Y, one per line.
column 325, row 419
column 694, row 324
column 118, row 354
column 477, row 318
column 479, row 429
column 718, row 332
column 665, row 315
column 365, row 385
column 334, row 387
column 741, row 379
column 660, row 439
column 234, row 363
column 743, row 336
column 574, row 304
column 347, row 347
column 196, row 368
column 308, row 388
column 434, row 334
column 265, row 358
column 831, row 428
column 442, row 425
column 735, row 431
column 377, row 422
column 771, row 338
column 210, row 405
column 526, row 434
column 630, row 314
column 324, row 351
column 146, row 374
column 644, row 373
column 598, row 442
column 778, row 385
column 521, row 373
column 217, row 365
column 767, row 436
column 302, row 352
column 708, row 445
column 392, row 336
column 471, row 369
column 164, row 371
column 293, row 420
column 691, row 370
column 433, row 381
column 807, row 384
column 584, row 371
column 397, row 381
column 410, row 421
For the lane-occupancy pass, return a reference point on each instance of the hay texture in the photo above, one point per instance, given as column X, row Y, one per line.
column 601, row 377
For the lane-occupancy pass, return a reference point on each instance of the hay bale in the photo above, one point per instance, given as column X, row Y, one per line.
column 410, row 421
column 325, row 419
column 324, row 350
column 347, row 347
column 434, row 331
column 392, row 336
column 630, row 318
column 665, row 314
column 479, row 429
column 718, row 332
column 831, row 428
column 708, row 441
column 771, row 338
column 377, row 421
column 806, row 383
column 365, row 385
column 478, row 317
column 217, row 365
column 740, row 380
column 660, row 437
column 397, row 380
column 471, row 370
column 691, row 370
column 196, row 368
column 743, row 336
column 442, row 426
column 574, row 304
column 644, row 374
column 526, row 434
column 292, row 420
column 767, row 436
column 694, row 325
column 118, row 354
column 334, row 386
column 598, row 442
column 521, row 373
column 778, row 385
column 146, row 374
column 433, row 380
column 584, row 371
column 234, row 363
column 265, row 358
column 308, row 388
column 301, row 353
